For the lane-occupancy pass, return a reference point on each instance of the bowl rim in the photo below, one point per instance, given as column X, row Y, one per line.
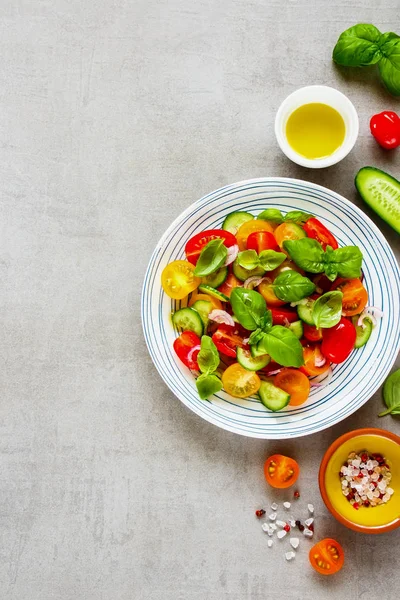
column 321, row 479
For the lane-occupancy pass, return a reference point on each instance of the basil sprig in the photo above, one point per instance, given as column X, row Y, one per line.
column 211, row 258
column 327, row 309
column 208, row 360
column 267, row 259
column 391, row 394
column 309, row 255
column 290, row 286
column 275, row 216
column 249, row 307
column 363, row 45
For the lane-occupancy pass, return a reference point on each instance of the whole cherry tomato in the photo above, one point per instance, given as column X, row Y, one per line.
column 385, row 127
column 338, row 341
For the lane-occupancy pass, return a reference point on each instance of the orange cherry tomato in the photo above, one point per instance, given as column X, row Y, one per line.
column 355, row 296
column 249, row 227
column 327, row 556
column 281, row 471
column 229, row 284
column 288, row 231
column 266, row 290
column 310, row 355
column 240, row 382
column 295, row 383
column 215, row 303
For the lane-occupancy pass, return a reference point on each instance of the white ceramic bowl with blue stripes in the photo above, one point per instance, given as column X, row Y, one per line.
column 353, row 382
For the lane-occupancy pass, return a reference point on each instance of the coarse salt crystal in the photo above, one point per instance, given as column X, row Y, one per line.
column 308, row 533
column 294, row 542
column 273, row 527
column 309, row 521
column 274, row 506
column 272, row 516
column 265, row 527
column 382, row 485
column 389, row 491
column 310, row 508
column 281, row 523
column 356, row 462
column 370, row 495
column 290, row 555
column 386, row 498
column 292, row 523
column 376, row 493
column 281, row 534
column 269, row 543
column 370, row 465
column 271, row 532
column 287, row 505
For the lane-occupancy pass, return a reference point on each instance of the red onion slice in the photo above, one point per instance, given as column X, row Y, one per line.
column 319, row 361
column 323, row 379
column 192, row 351
column 221, row 316
column 232, row 254
column 254, row 281
column 273, row 372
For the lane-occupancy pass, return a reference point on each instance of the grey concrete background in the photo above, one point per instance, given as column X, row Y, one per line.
column 114, row 116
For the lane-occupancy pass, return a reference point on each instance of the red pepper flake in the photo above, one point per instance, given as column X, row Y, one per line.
column 260, row 513
column 296, row 494
column 364, row 457
column 287, row 527
column 356, row 505
column 311, row 527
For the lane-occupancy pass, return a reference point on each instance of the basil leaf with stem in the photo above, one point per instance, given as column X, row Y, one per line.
column 389, row 66
column 248, row 259
column 208, row 357
column 358, row 46
column 211, row 258
column 327, row 309
column 391, row 394
column 307, row 253
column 283, row 346
column 248, row 306
column 270, row 259
column 207, row 385
column 345, row 261
column 271, row 214
column 290, row 286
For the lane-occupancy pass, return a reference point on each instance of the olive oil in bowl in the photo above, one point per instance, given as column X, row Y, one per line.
column 315, row 130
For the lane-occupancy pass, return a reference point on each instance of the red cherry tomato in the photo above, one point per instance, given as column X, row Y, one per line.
column 196, row 244
column 261, row 240
column 338, row 341
column 312, row 333
column 227, row 339
column 385, row 127
column 280, row 316
column 183, row 346
column 316, row 230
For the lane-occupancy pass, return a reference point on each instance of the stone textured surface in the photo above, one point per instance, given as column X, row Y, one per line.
column 114, row 116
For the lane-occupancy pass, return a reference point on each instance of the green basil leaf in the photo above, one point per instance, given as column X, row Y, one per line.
column 327, row 309
column 248, row 259
column 307, row 253
column 208, row 357
column 207, row 385
column 266, row 321
column 358, row 46
column 283, row 346
column 391, row 394
column 248, row 306
column 211, row 258
column 256, row 336
column 290, row 286
column 270, row 260
column 297, row 216
column 271, row 214
column 389, row 66
column 345, row 261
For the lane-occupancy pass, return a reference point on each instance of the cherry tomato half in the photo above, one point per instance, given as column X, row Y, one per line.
column 355, row 296
column 227, row 339
column 312, row 333
column 239, row 382
column 316, row 230
column 281, row 316
column 338, row 341
column 288, row 231
column 281, row 471
column 327, row 556
column 249, row 227
column 266, row 290
column 261, row 240
column 178, row 279
column 295, row 383
column 183, row 346
column 323, row 283
column 215, row 303
column 312, row 355
column 196, row 244
column 229, row 284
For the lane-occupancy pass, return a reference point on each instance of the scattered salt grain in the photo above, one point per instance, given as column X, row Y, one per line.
column 308, row 533
column 309, row 521
column 287, row 505
column 274, row 506
column 281, row 523
column 294, row 542
column 273, row 527
column 292, row 523
column 310, row 508
column 281, row 534
column 290, row 555
column 265, row 527
column 272, row 516
column 269, row 543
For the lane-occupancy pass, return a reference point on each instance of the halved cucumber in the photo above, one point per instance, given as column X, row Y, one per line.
column 381, row 192
column 203, row 307
column 250, row 362
column 305, row 312
column 207, row 289
column 234, row 220
column 188, row 319
column 216, row 279
column 272, row 397
column 297, row 328
column 363, row 335
column 243, row 274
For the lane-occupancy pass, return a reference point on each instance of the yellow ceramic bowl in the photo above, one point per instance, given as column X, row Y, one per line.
column 373, row 519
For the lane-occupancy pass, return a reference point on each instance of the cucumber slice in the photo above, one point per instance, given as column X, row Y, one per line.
column 363, row 335
column 297, row 328
column 203, row 307
column 250, row 362
column 305, row 312
column 188, row 319
column 234, row 220
column 381, row 192
column 207, row 289
column 272, row 397
column 243, row 274
column 216, row 279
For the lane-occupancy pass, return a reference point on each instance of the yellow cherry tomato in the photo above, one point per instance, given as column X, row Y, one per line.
column 178, row 279
column 239, row 382
column 267, row 292
column 288, row 231
column 250, row 227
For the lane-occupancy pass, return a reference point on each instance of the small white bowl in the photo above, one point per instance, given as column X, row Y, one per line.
column 324, row 95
